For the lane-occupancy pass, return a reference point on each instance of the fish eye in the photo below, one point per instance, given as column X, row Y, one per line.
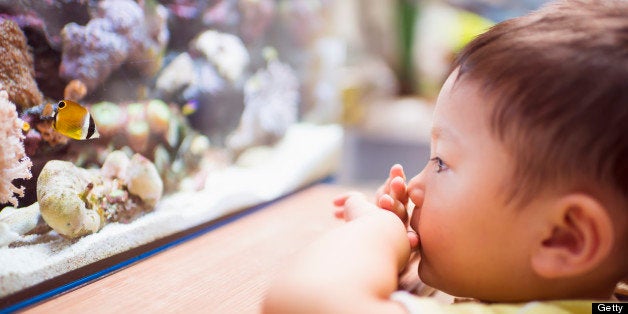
column 61, row 104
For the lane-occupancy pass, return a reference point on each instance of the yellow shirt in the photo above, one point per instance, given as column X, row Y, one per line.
column 414, row 304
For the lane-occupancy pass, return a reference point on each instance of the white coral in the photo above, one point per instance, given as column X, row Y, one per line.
column 143, row 180
column 76, row 201
column 225, row 51
column 14, row 164
column 271, row 103
column 59, row 188
column 115, row 165
column 138, row 174
column 16, row 222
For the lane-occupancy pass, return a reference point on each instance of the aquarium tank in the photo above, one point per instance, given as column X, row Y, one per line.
column 125, row 124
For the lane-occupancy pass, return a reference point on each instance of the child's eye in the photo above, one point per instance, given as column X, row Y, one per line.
column 439, row 165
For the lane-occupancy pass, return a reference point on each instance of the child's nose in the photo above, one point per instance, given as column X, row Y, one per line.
column 416, row 189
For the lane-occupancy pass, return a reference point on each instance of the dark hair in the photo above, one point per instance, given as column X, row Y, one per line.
column 557, row 80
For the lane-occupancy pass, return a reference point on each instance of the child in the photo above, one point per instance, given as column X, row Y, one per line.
column 525, row 197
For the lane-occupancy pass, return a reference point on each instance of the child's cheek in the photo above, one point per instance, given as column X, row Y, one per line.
column 414, row 219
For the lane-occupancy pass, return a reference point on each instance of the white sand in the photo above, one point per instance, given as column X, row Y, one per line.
column 306, row 154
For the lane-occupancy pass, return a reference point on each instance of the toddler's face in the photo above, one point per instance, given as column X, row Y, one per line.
column 472, row 242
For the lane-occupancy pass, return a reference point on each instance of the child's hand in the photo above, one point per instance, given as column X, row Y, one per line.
column 353, row 205
column 393, row 194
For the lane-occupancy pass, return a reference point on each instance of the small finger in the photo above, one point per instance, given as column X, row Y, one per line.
column 339, row 213
column 386, row 202
column 398, row 189
column 341, row 199
column 397, row 171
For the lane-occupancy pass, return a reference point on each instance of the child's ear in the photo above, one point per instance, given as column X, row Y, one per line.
column 579, row 236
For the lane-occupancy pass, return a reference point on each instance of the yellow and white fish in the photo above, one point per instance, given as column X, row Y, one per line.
column 72, row 120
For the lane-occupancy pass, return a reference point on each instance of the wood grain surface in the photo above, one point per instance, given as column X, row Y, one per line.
column 226, row 270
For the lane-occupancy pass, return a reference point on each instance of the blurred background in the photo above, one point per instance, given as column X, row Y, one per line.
column 381, row 66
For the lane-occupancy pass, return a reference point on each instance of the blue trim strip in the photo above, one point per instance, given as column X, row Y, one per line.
column 94, row 276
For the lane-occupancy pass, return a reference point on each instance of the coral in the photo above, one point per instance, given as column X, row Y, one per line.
column 151, row 128
column 120, row 32
column 115, row 165
column 16, row 67
column 49, row 134
column 255, row 18
column 271, row 106
column 46, row 18
column 76, row 202
column 60, row 186
column 179, row 76
column 41, row 22
column 40, row 129
column 211, row 75
column 142, row 125
column 250, row 19
column 143, row 180
column 226, row 52
column 15, row 222
column 185, row 20
column 129, row 187
column 158, row 116
column 14, row 163
column 302, row 21
column 109, row 118
column 221, row 14
column 75, row 90
column 7, row 235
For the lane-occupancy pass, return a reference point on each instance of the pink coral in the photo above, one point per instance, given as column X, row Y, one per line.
column 14, row 164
